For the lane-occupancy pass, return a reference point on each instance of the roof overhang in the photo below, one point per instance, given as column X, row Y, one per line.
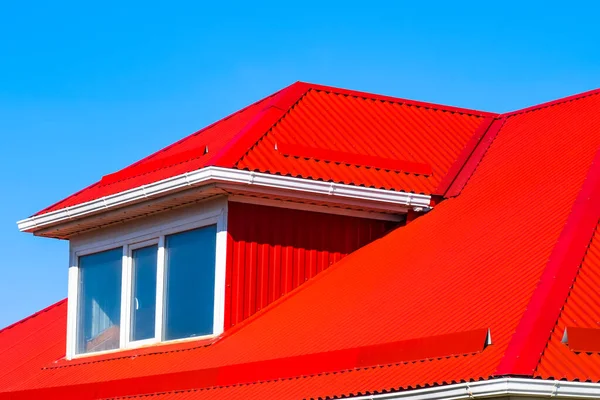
column 501, row 387
column 210, row 181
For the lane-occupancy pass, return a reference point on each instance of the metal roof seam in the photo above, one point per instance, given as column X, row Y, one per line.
column 281, row 104
column 278, row 121
column 475, row 158
column 464, row 156
column 196, row 133
column 566, row 313
column 535, row 328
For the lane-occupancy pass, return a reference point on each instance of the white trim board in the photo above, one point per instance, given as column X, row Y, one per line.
column 250, row 181
column 497, row 388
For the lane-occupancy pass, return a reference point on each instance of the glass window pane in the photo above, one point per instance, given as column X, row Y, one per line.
column 143, row 303
column 99, row 309
column 190, row 283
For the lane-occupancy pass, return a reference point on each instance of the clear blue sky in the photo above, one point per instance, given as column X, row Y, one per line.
column 87, row 88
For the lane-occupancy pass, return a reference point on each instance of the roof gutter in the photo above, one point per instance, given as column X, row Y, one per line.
column 235, row 177
column 497, row 388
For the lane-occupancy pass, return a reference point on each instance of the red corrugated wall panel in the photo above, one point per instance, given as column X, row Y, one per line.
column 272, row 251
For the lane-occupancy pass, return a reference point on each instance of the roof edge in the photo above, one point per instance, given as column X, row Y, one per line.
column 483, row 388
column 43, row 310
column 204, row 176
column 408, row 102
column 498, row 387
column 543, row 310
column 44, row 210
column 279, row 105
column 551, row 103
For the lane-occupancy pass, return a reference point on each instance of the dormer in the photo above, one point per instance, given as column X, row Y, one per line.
column 194, row 239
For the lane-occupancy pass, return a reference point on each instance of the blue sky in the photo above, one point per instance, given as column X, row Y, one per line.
column 87, row 88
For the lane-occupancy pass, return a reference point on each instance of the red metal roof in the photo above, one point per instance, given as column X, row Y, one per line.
column 582, row 310
column 28, row 345
column 371, row 129
column 326, row 121
column 501, row 255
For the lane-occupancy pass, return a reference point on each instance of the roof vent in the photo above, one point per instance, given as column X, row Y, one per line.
column 582, row 340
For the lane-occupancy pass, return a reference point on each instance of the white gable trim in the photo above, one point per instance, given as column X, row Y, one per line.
column 497, row 388
column 232, row 177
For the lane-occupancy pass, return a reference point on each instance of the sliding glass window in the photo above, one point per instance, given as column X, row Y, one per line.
column 99, row 316
column 190, row 283
column 143, row 301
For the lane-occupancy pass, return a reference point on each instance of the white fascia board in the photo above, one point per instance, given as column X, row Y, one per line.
column 501, row 387
column 207, row 175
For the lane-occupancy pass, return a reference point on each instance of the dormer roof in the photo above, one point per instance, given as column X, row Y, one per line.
column 481, row 287
column 306, row 131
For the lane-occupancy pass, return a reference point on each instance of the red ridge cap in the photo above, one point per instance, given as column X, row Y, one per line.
column 115, row 176
column 533, row 332
column 552, row 103
column 230, row 154
column 463, row 157
column 467, row 170
column 58, row 303
column 199, row 131
column 408, row 102
column 446, row 345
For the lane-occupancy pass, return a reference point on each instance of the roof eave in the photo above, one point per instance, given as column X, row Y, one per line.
column 388, row 201
column 500, row 387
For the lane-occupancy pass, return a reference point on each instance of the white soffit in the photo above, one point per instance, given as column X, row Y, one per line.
column 394, row 201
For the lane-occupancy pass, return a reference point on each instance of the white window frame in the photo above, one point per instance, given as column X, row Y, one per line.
column 135, row 235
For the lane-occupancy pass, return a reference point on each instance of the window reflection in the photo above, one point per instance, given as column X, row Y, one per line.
column 99, row 301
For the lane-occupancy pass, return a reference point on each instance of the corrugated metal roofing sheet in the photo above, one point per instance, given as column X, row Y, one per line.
column 332, row 119
column 185, row 155
column 471, row 263
column 582, row 309
column 366, row 126
column 27, row 346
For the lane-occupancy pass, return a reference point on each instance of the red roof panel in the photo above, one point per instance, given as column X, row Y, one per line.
column 581, row 310
column 476, row 262
column 365, row 126
column 185, row 155
column 27, row 346
column 332, row 122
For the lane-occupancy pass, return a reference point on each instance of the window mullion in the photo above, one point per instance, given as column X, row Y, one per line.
column 160, row 288
column 125, row 297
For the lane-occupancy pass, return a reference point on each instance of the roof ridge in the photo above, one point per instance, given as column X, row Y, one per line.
column 543, row 309
column 58, row 303
column 260, row 125
column 561, row 100
column 195, row 133
column 569, row 294
column 408, row 102
column 475, row 157
column 144, row 159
